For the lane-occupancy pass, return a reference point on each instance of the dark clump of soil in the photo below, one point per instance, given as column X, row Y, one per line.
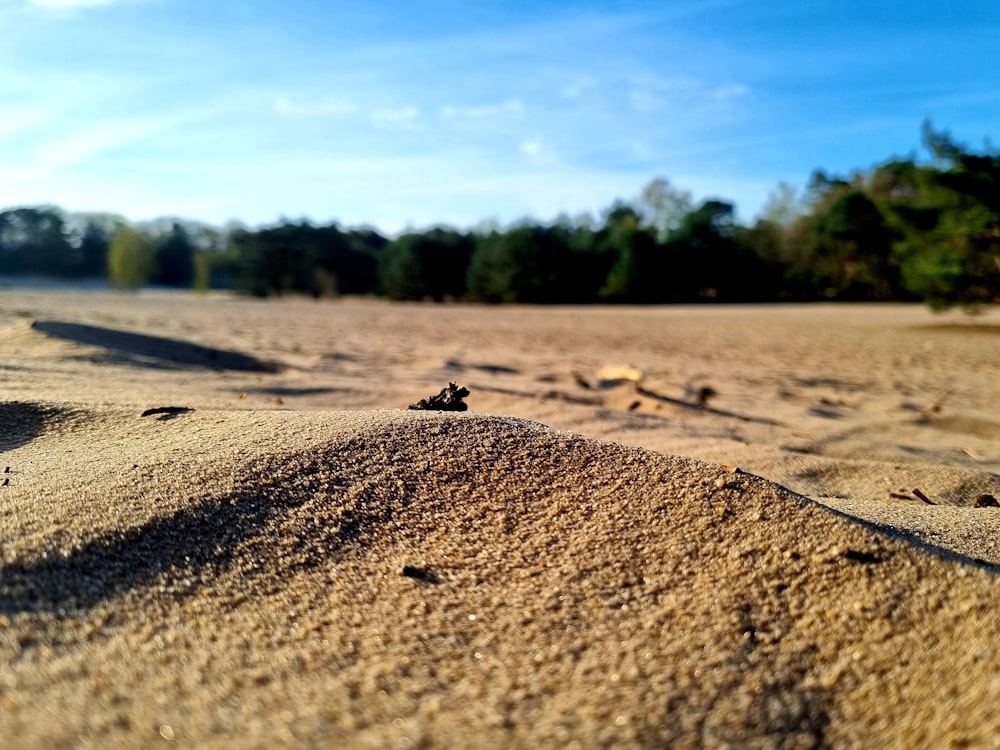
column 449, row 399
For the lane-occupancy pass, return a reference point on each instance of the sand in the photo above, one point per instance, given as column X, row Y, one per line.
column 687, row 526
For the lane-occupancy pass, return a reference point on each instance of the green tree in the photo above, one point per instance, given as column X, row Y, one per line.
column 767, row 243
column 95, row 241
column 949, row 218
column 711, row 261
column 431, row 265
column 131, row 259
column 639, row 269
column 201, row 280
column 850, row 248
column 662, row 207
column 175, row 257
column 535, row 264
column 783, row 205
column 35, row 240
column 301, row 258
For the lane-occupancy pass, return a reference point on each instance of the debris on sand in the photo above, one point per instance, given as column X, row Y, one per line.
column 421, row 574
column 934, row 407
column 449, row 399
column 705, row 393
column 610, row 375
column 167, row 412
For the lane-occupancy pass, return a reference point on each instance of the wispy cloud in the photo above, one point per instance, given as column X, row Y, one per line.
column 323, row 108
column 579, row 85
column 20, row 119
column 395, row 117
column 539, row 154
column 728, row 91
column 509, row 107
column 649, row 93
column 94, row 140
column 533, row 148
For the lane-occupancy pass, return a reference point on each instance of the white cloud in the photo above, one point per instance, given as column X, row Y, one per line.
column 398, row 117
column 85, row 144
column 509, row 107
column 13, row 121
column 729, row 91
column 324, row 108
column 640, row 150
column 578, row 87
column 649, row 94
column 532, row 148
column 645, row 101
column 540, row 154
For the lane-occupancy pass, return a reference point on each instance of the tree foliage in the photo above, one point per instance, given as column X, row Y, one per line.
column 848, row 247
column 175, row 257
column 948, row 217
column 131, row 259
column 301, row 258
column 35, row 240
column 426, row 265
column 535, row 264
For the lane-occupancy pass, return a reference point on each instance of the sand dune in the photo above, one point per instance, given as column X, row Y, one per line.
column 287, row 557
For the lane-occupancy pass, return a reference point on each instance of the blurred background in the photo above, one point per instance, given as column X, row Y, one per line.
column 706, row 150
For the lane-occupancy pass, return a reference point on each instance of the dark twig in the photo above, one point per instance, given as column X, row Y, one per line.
column 421, row 574
column 449, row 399
column 167, row 412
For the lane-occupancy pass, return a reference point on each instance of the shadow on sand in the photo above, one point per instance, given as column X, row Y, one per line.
column 193, row 539
column 153, row 351
column 21, row 422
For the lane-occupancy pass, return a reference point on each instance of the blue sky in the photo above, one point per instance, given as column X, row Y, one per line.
column 399, row 114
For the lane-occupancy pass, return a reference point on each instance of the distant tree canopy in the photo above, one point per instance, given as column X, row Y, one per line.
column 36, row 241
column 301, row 258
column 535, row 264
column 174, row 257
column 425, row 265
column 904, row 230
column 947, row 222
column 131, row 259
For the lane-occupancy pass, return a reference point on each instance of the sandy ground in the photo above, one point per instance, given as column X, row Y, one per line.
column 766, row 526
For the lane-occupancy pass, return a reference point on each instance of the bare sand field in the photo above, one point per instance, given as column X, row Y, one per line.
column 731, row 526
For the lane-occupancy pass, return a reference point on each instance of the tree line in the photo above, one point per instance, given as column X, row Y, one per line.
column 903, row 230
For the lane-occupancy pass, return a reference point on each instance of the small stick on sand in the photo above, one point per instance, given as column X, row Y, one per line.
column 449, row 399
column 922, row 496
column 421, row 574
column 934, row 406
column 704, row 394
column 167, row 412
